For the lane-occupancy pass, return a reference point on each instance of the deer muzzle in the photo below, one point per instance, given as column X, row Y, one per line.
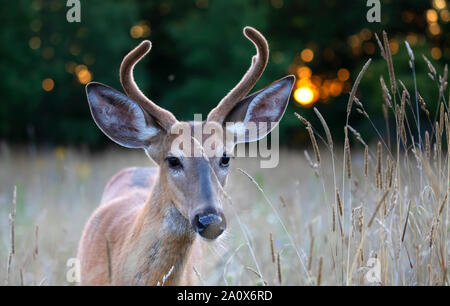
column 209, row 225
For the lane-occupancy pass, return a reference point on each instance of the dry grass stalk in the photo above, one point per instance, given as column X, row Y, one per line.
column 435, row 149
column 383, row 53
column 272, row 249
column 381, row 201
column 358, row 103
column 8, row 268
column 36, row 242
column 108, row 254
column 438, row 140
column 378, row 172
column 386, row 120
column 430, row 66
column 12, row 250
column 410, row 52
column 355, row 87
column 386, row 95
column 430, row 273
column 283, row 202
column 312, row 164
column 339, row 203
column 390, row 63
column 348, row 159
column 432, row 234
column 22, row 283
column 361, row 220
column 340, row 224
column 363, row 236
column 443, row 81
column 319, row 273
column 279, row 268
column 357, row 135
column 423, row 105
column 408, row 96
column 447, row 127
column 314, row 143
column 401, row 117
column 311, row 249
column 441, row 208
column 366, row 161
column 406, row 222
column 302, row 119
column 12, row 218
column 427, row 145
column 363, row 112
column 325, row 127
column 356, row 219
column 333, row 216
column 389, row 171
column 254, row 272
column 199, row 276
column 311, row 136
column 340, row 211
column 165, row 277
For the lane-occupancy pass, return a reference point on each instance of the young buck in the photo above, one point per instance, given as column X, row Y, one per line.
column 152, row 223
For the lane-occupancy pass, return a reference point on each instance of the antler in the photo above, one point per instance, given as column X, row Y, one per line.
column 164, row 118
column 259, row 62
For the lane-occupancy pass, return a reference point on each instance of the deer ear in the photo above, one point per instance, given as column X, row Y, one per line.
column 120, row 118
column 262, row 109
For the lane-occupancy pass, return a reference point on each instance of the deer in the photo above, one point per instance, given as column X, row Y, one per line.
column 153, row 223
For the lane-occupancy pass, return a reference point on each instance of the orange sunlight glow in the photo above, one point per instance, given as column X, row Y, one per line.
column 310, row 88
column 304, row 96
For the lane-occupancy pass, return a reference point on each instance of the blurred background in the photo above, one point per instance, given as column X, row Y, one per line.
column 199, row 53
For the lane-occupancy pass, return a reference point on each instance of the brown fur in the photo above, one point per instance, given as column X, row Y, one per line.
column 140, row 252
column 135, row 216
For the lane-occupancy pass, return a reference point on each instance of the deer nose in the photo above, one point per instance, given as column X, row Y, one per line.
column 209, row 225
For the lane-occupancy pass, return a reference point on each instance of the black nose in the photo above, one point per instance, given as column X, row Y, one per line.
column 209, row 225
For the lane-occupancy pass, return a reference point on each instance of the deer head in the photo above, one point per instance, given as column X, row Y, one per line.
column 191, row 176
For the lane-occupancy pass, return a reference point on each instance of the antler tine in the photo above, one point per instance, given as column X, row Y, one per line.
column 165, row 118
column 259, row 62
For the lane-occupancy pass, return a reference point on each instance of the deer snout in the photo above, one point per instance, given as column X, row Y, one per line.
column 209, row 225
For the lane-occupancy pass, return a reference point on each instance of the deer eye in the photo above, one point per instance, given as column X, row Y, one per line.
column 224, row 161
column 174, row 162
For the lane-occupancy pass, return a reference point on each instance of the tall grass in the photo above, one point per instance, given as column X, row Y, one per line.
column 407, row 232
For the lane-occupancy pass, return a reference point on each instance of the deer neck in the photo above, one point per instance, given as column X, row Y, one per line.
column 161, row 240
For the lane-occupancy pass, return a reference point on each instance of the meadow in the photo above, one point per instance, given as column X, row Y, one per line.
column 355, row 213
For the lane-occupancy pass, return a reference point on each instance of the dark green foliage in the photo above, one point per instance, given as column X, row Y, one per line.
column 198, row 54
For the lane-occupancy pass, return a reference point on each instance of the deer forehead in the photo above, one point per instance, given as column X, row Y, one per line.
column 197, row 139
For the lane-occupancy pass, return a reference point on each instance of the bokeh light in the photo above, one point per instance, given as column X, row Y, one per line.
column 434, row 28
column 307, row 55
column 310, row 88
column 343, row 74
column 35, row 43
column 48, row 84
column 304, row 95
column 445, row 15
column 436, row 53
column 83, row 74
column 432, row 16
column 439, row 4
column 136, row 31
column 393, row 44
column 140, row 30
column 304, row 72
